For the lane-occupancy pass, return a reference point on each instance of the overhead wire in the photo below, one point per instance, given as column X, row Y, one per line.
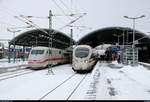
column 71, row 5
column 70, row 10
column 6, row 10
column 82, row 22
column 66, row 6
column 75, row 6
column 11, row 13
column 71, row 15
column 1, row 22
column 14, row 12
column 61, row 9
column 35, row 25
column 53, row 32
column 29, row 22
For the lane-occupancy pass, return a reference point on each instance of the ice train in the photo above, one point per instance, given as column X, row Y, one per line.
column 83, row 59
column 100, row 51
column 41, row 57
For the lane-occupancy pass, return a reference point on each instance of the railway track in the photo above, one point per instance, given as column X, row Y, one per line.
column 147, row 65
column 12, row 72
column 63, row 86
column 91, row 92
column 10, row 75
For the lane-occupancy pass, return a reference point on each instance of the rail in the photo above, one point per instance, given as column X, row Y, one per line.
column 4, row 69
column 147, row 65
column 62, row 84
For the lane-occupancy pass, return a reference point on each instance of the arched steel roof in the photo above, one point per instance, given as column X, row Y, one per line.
column 106, row 35
column 41, row 37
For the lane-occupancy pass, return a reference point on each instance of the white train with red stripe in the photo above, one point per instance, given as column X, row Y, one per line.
column 41, row 57
column 83, row 59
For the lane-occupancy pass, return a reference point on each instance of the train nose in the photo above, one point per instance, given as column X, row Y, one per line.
column 81, row 66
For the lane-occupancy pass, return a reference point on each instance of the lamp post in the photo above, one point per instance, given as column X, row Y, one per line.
column 133, row 45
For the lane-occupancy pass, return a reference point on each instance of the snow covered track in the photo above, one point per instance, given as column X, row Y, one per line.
column 65, row 84
column 10, row 67
column 67, row 92
column 145, row 65
column 107, row 81
column 14, row 74
column 91, row 92
column 56, row 87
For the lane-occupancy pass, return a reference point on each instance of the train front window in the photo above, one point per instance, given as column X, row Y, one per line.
column 37, row 52
column 81, row 52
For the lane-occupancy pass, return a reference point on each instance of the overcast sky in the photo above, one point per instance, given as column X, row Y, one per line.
column 100, row 14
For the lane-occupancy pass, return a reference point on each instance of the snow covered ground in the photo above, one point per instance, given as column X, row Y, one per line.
column 35, row 85
column 7, row 67
column 126, row 83
column 4, row 63
column 106, row 82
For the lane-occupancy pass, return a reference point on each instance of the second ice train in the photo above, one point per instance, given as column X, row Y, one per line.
column 83, row 59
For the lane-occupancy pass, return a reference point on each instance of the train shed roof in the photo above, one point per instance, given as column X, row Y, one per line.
column 42, row 37
column 110, row 35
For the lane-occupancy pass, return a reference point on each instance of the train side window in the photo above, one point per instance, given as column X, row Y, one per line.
column 92, row 56
column 50, row 52
column 59, row 52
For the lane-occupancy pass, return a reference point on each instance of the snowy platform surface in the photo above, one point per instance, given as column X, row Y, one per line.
column 105, row 82
column 6, row 67
column 10, row 65
column 4, row 63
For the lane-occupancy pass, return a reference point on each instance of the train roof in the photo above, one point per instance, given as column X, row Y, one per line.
column 40, row 47
column 87, row 46
column 109, row 35
column 102, row 46
column 42, row 37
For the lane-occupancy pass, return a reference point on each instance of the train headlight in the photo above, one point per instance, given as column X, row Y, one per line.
column 86, row 61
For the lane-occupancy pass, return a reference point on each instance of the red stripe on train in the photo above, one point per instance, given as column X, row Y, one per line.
column 43, row 61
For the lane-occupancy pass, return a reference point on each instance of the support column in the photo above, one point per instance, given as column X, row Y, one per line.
column 9, row 53
column 71, row 44
column 14, row 54
column 23, row 56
